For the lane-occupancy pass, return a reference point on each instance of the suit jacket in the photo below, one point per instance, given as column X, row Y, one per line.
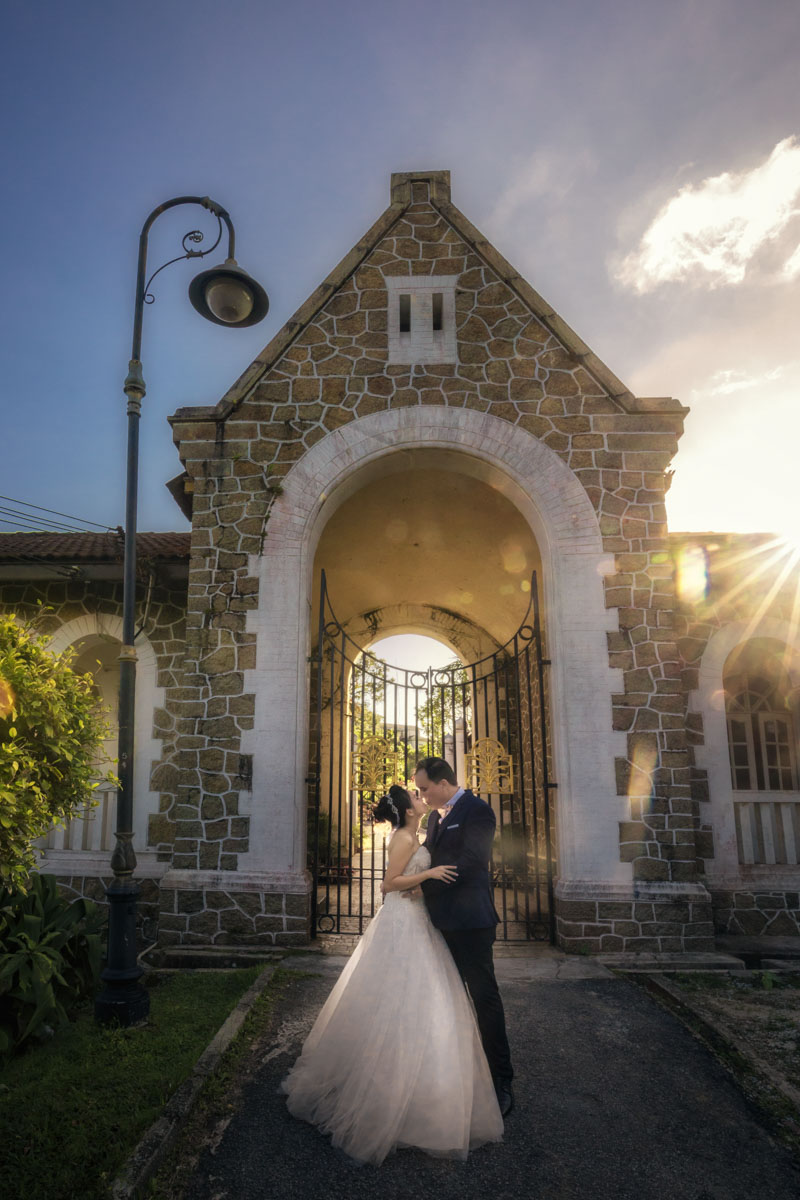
column 463, row 839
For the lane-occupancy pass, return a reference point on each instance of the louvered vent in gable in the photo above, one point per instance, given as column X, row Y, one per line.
column 422, row 319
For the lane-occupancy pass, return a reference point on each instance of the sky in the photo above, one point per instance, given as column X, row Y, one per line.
column 638, row 162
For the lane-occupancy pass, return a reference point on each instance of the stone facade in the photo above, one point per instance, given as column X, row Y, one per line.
column 517, row 361
column 206, row 916
column 586, row 463
column 659, row 924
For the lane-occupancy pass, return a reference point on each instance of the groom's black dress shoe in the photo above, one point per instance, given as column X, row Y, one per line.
column 505, row 1097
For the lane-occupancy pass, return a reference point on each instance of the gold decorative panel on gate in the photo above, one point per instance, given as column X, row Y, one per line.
column 489, row 768
column 376, row 765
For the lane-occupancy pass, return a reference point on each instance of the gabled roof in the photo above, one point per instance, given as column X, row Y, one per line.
column 401, row 200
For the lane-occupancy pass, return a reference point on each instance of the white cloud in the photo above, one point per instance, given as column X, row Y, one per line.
column 725, row 382
column 549, row 175
column 711, row 232
column 791, row 268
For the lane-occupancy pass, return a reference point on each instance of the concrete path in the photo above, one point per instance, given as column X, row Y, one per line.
column 614, row 1101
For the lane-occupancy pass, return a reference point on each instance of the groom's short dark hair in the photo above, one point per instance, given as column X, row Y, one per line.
column 437, row 769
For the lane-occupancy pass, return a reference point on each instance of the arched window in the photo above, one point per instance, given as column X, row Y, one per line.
column 762, row 729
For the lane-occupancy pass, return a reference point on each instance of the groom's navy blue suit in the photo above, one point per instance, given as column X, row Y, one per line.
column 465, row 914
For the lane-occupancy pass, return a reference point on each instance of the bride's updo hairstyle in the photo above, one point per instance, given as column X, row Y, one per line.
column 393, row 808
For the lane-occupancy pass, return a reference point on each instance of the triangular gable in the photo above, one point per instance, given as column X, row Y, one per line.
column 401, row 200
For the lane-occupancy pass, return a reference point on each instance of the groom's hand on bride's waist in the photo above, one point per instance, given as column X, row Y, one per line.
column 412, row 893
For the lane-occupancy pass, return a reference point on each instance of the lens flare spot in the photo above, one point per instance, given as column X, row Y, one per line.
column 640, row 781
column 525, row 585
column 691, row 576
column 513, row 557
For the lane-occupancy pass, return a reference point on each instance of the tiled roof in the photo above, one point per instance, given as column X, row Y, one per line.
column 89, row 547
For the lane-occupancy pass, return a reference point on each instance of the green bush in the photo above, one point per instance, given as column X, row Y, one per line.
column 50, row 955
column 51, row 728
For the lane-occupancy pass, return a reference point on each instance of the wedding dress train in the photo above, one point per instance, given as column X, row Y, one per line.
column 395, row 1058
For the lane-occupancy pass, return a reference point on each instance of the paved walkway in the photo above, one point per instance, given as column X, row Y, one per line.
column 614, row 1101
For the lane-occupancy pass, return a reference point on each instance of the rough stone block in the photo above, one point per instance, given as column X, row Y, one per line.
column 577, row 910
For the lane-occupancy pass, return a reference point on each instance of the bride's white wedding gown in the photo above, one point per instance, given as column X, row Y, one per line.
column 395, row 1058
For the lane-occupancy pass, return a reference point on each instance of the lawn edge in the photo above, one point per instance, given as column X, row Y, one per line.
column 716, row 1030
column 149, row 1154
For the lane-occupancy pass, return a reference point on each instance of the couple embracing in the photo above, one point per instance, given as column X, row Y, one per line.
column 400, row 1055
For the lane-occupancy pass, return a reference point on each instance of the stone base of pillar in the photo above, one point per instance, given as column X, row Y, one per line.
column 232, row 908
column 600, row 918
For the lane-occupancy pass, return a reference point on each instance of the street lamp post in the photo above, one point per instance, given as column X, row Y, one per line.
column 226, row 295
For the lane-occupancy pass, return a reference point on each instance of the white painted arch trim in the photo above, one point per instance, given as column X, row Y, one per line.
column 565, row 526
column 147, row 749
column 709, row 699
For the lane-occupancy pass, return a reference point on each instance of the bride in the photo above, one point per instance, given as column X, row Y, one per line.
column 395, row 1058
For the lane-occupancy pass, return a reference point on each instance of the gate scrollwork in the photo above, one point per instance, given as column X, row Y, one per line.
column 489, row 767
column 376, row 764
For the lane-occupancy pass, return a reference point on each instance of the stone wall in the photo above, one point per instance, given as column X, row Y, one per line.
column 93, row 887
column 209, row 916
column 651, row 923
column 757, row 913
column 517, row 360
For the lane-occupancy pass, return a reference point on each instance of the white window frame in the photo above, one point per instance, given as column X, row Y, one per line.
column 422, row 343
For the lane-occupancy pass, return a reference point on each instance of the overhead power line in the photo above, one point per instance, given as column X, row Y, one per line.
column 22, row 517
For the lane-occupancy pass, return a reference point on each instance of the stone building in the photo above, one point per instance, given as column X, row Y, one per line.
column 428, row 432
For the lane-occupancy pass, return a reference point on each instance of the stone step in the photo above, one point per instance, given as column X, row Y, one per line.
column 209, row 957
column 657, row 962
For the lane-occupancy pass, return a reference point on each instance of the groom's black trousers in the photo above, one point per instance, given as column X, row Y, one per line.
column 472, row 952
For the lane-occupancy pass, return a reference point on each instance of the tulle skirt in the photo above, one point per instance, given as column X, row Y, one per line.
column 395, row 1058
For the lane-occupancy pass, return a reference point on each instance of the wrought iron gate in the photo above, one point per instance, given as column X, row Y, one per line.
column 370, row 725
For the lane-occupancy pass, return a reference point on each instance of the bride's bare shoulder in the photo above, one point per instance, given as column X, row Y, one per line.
column 402, row 837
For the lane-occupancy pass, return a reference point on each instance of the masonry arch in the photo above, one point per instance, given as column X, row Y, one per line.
column 100, row 634
column 724, row 648
column 564, row 526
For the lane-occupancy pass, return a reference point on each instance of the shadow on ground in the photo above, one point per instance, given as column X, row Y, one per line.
column 614, row 1101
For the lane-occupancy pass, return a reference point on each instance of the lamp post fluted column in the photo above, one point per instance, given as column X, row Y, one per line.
column 226, row 295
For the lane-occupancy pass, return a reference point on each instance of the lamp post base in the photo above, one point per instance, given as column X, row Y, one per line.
column 123, row 999
column 128, row 1006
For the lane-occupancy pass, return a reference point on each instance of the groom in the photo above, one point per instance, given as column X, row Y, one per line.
column 461, row 832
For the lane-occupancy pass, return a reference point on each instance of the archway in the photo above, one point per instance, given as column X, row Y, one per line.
column 427, row 547
column 729, row 650
column 564, row 527
column 372, row 721
column 99, row 636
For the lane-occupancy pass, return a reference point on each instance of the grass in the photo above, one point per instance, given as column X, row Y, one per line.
column 72, row 1109
column 221, row 1092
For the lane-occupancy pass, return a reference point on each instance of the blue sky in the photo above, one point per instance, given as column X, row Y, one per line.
column 637, row 162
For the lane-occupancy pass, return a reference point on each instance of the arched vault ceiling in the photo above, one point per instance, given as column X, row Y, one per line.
column 429, row 535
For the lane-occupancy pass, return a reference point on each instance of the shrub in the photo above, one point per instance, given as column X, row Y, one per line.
column 50, row 955
column 51, row 728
